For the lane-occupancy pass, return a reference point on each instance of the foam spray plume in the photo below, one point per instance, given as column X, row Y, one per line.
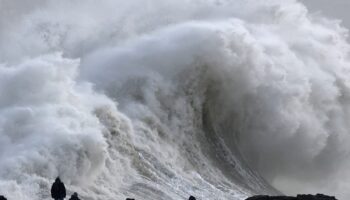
column 161, row 99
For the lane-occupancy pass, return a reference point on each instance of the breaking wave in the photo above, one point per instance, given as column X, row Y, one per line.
column 161, row 99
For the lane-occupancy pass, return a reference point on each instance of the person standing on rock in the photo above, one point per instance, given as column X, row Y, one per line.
column 58, row 191
column 74, row 196
column 192, row 198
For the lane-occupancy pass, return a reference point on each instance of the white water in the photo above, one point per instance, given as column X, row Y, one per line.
column 161, row 99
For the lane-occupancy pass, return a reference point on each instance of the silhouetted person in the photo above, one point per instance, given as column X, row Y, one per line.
column 74, row 196
column 2, row 197
column 192, row 198
column 58, row 191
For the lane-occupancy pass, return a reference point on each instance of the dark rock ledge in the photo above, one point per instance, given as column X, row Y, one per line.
column 298, row 197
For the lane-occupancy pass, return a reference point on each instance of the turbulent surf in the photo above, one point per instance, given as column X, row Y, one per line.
column 164, row 99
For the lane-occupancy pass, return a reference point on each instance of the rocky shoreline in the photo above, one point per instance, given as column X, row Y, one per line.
column 298, row 197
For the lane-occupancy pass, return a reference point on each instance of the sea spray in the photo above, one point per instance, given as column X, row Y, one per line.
column 163, row 99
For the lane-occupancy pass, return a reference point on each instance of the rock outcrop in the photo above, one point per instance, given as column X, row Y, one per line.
column 298, row 197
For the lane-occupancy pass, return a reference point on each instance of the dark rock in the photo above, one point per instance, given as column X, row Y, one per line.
column 265, row 197
column 298, row 197
column 259, row 197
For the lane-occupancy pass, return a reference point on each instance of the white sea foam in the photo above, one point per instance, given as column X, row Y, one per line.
column 163, row 99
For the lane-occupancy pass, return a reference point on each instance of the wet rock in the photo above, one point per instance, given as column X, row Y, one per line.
column 298, row 197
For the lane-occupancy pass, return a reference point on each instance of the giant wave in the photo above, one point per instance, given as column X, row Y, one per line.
column 161, row 99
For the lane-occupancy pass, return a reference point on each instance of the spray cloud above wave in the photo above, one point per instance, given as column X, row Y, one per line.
column 161, row 99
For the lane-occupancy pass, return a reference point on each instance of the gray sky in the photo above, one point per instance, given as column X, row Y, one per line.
column 335, row 8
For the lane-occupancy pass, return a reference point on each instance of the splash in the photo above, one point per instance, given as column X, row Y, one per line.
column 163, row 99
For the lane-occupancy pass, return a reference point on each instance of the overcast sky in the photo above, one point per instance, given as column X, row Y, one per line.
column 335, row 8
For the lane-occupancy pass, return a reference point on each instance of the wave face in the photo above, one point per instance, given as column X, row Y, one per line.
column 161, row 99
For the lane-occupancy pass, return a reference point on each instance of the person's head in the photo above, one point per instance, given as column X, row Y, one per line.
column 192, row 198
column 75, row 194
column 58, row 179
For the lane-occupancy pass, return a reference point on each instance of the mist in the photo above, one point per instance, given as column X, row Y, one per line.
column 163, row 99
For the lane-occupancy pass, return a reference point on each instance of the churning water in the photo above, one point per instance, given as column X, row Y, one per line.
column 160, row 99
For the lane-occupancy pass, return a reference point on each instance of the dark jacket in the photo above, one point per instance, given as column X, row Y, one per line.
column 2, row 197
column 74, row 196
column 58, row 191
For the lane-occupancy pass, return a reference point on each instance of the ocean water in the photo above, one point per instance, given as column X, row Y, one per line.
column 162, row 99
